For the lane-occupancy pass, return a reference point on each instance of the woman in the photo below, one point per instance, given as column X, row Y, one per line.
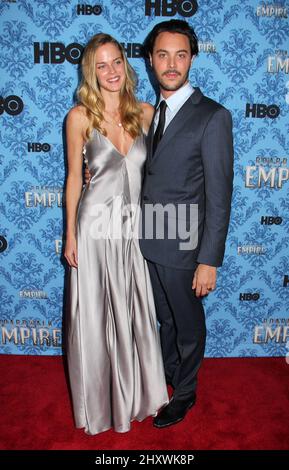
column 114, row 357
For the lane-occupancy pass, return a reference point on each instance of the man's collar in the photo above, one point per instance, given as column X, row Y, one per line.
column 176, row 98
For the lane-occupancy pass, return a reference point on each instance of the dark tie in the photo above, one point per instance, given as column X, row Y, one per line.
column 161, row 125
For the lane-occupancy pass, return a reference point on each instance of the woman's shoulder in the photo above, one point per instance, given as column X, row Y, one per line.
column 78, row 112
column 147, row 107
column 77, row 119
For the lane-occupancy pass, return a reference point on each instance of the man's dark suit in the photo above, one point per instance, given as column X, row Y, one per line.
column 193, row 164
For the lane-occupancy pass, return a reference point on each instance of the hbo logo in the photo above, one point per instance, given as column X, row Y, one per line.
column 13, row 105
column 3, row 244
column 261, row 111
column 249, row 296
column 269, row 220
column 88, row 10
column 184, row 8
column 37, row 147
column 57, row 53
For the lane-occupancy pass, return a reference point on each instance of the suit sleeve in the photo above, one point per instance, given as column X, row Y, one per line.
column 217, row 159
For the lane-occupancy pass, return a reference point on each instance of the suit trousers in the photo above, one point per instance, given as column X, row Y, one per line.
column 182, row 326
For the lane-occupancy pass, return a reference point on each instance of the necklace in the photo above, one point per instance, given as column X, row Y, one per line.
column 117, row 122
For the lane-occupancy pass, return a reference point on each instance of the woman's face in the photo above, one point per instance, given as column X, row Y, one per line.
column 110, row 71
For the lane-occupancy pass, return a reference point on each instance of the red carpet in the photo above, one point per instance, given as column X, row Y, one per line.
column 242, row 404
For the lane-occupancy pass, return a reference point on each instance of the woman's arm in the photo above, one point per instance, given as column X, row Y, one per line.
column 74, row 134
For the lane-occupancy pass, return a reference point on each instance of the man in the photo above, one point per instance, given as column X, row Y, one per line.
column 190, row 161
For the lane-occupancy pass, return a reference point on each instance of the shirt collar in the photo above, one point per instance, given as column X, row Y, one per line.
column 177, row 98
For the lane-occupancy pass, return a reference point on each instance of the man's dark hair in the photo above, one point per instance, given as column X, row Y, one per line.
column 171, row 26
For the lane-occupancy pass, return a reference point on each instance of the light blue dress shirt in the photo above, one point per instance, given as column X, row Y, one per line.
column 174, row 104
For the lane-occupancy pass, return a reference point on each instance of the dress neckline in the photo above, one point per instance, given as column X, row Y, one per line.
column 114, row 147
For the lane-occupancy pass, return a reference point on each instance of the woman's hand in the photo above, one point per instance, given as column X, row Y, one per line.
column 87, row 175
column 70, row 252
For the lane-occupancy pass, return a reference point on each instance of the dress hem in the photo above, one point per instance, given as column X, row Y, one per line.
column 121, row 430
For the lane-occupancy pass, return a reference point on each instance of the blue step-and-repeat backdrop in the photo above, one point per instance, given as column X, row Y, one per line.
column 243, row 63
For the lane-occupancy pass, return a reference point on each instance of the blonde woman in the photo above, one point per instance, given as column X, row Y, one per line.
column 113, row 348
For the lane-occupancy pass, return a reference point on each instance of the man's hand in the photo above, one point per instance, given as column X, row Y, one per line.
column 204, row 279
column 87, row 176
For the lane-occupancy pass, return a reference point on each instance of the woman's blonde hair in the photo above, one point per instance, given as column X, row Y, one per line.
column 89, row 94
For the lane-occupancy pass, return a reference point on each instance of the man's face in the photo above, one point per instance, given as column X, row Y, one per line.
column 171, row 61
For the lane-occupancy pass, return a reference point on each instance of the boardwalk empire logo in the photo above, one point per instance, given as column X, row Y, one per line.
column 30, row 332
column 272, row 172
column 58, row 246
column 272, row 330
column 44, row 196
column 272, row 10
column 278, row 62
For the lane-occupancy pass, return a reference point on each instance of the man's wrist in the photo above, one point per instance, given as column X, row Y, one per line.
column 208, row 265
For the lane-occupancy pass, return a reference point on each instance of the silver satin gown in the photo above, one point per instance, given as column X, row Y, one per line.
column 113, row 347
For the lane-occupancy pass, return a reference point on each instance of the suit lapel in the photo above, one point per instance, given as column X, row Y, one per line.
column 150, row 138
column 175, row 125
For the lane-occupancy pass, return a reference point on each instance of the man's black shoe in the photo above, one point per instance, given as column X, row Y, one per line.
column 173, row 412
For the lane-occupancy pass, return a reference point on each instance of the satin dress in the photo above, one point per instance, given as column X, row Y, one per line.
column 113, row 347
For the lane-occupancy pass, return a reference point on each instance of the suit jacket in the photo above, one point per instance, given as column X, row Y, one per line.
column 193, row 164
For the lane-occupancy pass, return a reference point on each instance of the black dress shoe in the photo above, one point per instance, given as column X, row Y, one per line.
column 173, row 412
